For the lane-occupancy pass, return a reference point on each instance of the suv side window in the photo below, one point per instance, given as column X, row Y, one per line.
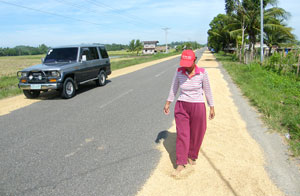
column 103, row 52
column 90, row 52
column 94, row 53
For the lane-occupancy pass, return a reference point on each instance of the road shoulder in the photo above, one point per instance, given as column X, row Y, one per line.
column 231, row 161
column 280, row 166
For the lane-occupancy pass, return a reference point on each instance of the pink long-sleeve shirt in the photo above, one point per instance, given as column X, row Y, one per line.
column 192, row 89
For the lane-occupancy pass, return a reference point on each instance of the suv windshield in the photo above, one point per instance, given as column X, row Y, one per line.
column 61, row 55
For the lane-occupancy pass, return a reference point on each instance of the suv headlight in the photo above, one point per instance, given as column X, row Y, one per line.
column 55, row 74
column 22, row 74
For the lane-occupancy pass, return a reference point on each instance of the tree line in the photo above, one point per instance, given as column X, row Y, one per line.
column 42, row 49
column 115, row 47
column 179, row 46
column 241, row 25
column 133, row 46
column 137, row 46
column 24, row 50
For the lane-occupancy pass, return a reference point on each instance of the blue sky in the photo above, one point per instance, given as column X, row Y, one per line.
column 63, row 22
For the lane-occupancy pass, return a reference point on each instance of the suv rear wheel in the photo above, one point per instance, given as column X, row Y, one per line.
column 68, row 90
column 31, row 94
column 101, row 78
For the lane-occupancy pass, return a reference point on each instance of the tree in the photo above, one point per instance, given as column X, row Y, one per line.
column 131, row 47
column 138, row 46
column 43, row 48
column 179, row 48
column 218, row 34
column 276, row 32
column 243, row 21
column 237, row 13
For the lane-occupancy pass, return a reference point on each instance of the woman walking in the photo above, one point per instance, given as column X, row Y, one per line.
column 190, row 111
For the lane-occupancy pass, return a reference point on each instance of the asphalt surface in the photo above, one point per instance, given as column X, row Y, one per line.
column 101, row 142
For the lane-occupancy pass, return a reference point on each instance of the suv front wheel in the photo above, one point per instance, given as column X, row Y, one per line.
column 68, row 90
column 101, row 78
column 31, row 94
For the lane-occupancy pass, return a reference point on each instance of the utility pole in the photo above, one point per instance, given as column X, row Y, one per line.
column 261, row 31
column 166, row 32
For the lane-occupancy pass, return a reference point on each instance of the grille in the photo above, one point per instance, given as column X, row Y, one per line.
column 37, row 77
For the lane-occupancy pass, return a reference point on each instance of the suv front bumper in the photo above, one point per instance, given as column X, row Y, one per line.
column 44, row 86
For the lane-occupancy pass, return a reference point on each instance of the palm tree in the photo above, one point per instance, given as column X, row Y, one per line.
column 276, row 32
column 235, row 9
column 247, row 13
column 138, row 46
column 131, row 46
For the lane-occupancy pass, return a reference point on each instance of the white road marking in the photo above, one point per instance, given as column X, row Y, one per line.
column 72, row 153
column 161, row 73
column 87, row 140
column 122, row 95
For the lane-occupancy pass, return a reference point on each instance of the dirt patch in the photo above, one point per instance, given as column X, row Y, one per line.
column 13, row 103
column 230, row 161
column 121, row 59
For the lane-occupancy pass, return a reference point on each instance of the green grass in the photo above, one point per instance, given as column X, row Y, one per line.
column 138, row 60
column 277, row 97
column 120, row 53
column 10, row 65
column 8, row 86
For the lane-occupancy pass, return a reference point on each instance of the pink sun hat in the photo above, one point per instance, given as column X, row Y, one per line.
column 187, row 58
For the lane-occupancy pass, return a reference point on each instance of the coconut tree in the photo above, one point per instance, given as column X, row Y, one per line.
column 218, row 34
column 276, row 31
column 238, row 25
column 247, row 13
column 131, row 46
column 138, row 46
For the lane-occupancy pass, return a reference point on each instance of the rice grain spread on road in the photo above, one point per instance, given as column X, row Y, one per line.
column 230, row 161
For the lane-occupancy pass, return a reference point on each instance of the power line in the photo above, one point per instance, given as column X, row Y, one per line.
column 100, row 4
column 68, row 17
column 68, row 3
column 71, row 4
column 50, row 13
column 103, row 5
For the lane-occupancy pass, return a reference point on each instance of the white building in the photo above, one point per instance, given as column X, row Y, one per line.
column 149, row 47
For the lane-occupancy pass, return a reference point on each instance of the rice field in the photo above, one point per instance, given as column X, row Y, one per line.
column 9, row 65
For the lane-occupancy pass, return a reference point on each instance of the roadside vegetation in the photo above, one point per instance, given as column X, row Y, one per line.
column 275, row 93
column 273, row 86
column 239, row 28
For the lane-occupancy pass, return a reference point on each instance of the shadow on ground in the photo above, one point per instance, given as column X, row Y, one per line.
column 55, row 95
column 169, row 141
column 209, row 59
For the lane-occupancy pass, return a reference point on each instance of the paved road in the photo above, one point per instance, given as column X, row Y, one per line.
column 101, row 142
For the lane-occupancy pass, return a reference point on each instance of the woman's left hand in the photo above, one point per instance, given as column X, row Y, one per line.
column 212, row 113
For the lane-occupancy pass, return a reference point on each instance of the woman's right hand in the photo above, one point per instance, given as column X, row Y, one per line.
column 167, row 108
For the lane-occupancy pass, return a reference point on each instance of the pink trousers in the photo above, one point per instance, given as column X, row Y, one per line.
column 191, row 126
